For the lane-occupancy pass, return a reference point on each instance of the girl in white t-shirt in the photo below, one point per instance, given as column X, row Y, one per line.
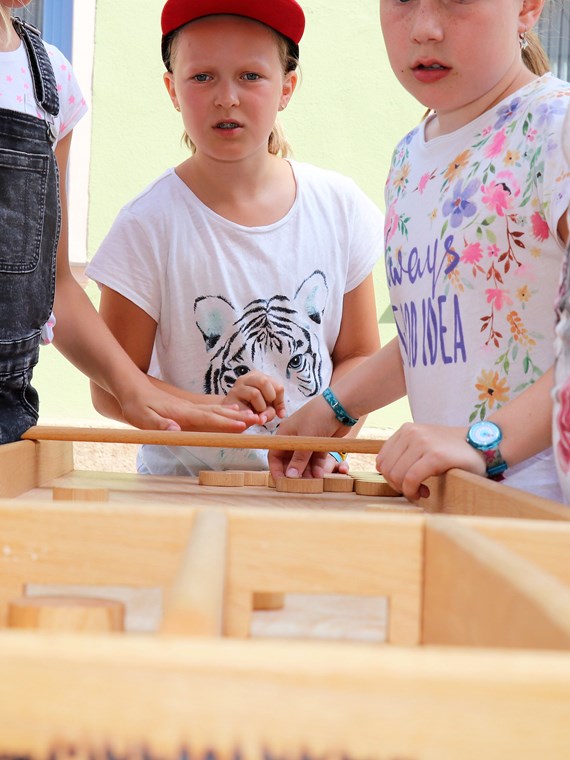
column 239, row 261
column 40, row 103
column 476, row 205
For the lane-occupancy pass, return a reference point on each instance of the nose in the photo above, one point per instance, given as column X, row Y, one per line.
column 427, row 23
column 226, row 94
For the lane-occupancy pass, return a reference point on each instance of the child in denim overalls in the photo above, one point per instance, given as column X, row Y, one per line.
column 35, row 136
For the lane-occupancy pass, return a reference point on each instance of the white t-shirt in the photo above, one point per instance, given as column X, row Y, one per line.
column 473, row 260
column 228, row 299
column 17, row 90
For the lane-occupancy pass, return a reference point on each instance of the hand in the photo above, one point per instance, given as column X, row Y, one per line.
column 315, row 418
column 260, row 393
column 416, row 452
column 155, row 409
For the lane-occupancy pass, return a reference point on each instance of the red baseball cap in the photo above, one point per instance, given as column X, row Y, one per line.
column 285, row 16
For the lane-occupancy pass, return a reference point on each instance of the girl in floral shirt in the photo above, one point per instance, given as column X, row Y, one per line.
column 476, row 205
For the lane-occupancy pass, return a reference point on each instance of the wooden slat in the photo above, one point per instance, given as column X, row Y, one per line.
column 462, row 493
column 545, row 543
column 327, row 553
column 279, row 700
column 218, row 440
column 479, row 593
column 80, row 543
column 194, row 604
column 26, row 464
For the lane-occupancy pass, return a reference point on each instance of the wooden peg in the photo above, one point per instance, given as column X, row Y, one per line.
column 60, row 613
column 300, row 485
column 265, row 600
column 255, row 477
column 375, row 487
column 65, row 493
column 338, row 483
column 271, row 481
column 222, row 478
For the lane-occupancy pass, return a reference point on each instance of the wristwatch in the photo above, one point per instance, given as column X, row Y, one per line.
column 485, row 436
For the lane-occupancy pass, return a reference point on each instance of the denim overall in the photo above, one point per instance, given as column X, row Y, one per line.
column 29, row 232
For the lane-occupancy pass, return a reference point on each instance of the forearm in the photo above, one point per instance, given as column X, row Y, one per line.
column 84, row 339
column 373, row 383
column 526, row 422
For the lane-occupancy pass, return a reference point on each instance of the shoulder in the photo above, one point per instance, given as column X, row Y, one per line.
column 546, row 97
column 327, row 182
column 156, row 205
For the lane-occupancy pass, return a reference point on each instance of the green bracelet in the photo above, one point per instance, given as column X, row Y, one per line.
column 339, row 411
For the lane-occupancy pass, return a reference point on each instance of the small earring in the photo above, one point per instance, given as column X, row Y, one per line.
column 523, row 42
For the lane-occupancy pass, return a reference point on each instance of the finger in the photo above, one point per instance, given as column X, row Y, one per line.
column 278, row 461
column 297, row 464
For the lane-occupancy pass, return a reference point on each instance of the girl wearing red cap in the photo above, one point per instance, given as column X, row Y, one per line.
column 476, row 205
column 239, row 261
column 41, row 103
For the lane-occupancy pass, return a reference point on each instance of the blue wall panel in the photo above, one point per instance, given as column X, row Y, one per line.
column 58, row 24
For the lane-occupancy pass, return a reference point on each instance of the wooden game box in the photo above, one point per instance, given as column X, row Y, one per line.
column 474, row 662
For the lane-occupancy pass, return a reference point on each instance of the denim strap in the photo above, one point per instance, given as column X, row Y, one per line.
column 45, row 88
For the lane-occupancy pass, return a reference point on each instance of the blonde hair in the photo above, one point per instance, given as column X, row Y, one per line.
column 277, row 143
column 534, row 55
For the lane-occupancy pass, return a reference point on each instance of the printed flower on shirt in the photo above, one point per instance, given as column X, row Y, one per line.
column 496, row 145
column 497, row 197
column 539, row 226
column 563, row 424
column 492, row 389
column 457, row 165
column 507, row 113
column 460, row 207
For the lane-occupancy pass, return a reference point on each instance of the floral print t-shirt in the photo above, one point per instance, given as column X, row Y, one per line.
column 473, row 260
column 561, row 430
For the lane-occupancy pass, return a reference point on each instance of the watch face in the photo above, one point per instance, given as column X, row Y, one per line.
column 484, row 435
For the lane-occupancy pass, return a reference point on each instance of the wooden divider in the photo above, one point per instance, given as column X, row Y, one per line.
column 267, row 700
column 462, row 493
column 27, row 464
column 356, row 554
column 194, row 606
column 479, row 593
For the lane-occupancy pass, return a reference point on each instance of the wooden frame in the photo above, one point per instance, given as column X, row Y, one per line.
column 477, row 665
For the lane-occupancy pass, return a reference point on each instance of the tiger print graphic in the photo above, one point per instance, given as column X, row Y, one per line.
column 275, row 336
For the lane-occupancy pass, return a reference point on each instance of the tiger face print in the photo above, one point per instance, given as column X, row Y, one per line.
column 275, row 336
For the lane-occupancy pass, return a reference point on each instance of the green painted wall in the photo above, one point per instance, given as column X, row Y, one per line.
column 347, row 114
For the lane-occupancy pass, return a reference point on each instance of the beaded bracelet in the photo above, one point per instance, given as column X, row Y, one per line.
column 339, row 411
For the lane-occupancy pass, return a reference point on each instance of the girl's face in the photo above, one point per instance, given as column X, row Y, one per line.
column 458, row 57
column 228, row 82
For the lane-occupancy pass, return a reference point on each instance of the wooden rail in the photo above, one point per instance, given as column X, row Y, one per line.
column 217, row 440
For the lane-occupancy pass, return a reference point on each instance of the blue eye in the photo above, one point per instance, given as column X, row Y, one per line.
column 201, row 77
column 250, row 76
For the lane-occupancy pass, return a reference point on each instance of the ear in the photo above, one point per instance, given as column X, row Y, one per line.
column 530, row 13
column 170, row 86
column 289, row 84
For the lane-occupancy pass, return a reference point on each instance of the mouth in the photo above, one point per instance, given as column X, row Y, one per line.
column 228, row 125
column 429, row 66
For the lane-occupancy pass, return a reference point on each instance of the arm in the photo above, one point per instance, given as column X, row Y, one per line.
column 369, row 384
column 416, row 452
column 357, row 340
column 135, row 331
column 82, row 336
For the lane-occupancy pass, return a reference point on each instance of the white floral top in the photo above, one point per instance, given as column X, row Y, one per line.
column 561, row 394
column 473, row 258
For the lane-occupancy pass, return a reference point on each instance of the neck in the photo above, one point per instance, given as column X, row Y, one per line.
column 251, row 193
column 446, row 122
column 9, row 40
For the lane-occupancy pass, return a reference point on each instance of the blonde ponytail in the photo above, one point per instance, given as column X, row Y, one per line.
column 534, row 55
